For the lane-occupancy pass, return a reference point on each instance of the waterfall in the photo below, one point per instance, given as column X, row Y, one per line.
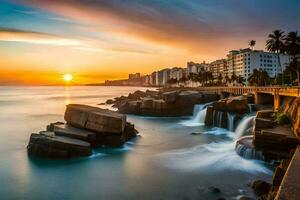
column 198, row 117
column 245, row 124
column 230, row 121
column 251, row 106
column 217, row 118
column 245, row 149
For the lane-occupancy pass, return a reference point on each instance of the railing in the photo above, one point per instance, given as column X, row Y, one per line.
column 284, row 91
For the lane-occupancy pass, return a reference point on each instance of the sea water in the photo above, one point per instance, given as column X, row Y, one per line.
column 164, row 162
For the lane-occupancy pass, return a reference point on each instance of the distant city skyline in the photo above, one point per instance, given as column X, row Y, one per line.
column 40, row 41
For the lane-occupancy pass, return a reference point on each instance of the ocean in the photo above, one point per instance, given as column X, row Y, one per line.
column 164, row 162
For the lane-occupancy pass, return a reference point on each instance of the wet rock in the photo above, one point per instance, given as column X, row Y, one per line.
column 196, row 133
column 76, row 133
column 261, row 187
column 214, row 190
column 114, row 141
column 130, row 132
column 209, row 119
column 137, row 95
column 95, row 119
column 291, row 106
column 50, row 127
column 262, row 123
column 245, row 198
column 163, row 103
column 110, row 101
column 48, row 145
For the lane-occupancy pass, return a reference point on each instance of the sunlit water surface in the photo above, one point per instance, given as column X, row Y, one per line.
column 165, row 162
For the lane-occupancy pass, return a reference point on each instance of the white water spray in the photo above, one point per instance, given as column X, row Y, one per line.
column 214, row 156
column 198, row 118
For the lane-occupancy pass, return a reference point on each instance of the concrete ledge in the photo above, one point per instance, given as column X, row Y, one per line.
column 290, row 185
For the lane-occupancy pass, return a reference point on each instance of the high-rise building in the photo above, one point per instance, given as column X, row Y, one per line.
column 195, row 68
column 243, row 62
column 159, row 77
column 177, row 73
column 218, row 67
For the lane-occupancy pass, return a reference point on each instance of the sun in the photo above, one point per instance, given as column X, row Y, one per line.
column 68, row 77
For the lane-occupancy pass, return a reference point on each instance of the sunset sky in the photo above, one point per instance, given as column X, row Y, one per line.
column 95, row 40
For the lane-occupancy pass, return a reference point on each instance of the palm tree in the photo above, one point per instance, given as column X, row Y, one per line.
column 292, row 47
column 252, row 44
column 233, row 78
column 220, row 78
column 275, row 43
column 259, row 78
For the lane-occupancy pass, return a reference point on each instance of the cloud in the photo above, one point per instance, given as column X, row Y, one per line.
column 194, row 25
column 16, row 35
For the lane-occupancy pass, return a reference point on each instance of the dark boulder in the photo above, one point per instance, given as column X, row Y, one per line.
column 261, row 187
column 48, row 145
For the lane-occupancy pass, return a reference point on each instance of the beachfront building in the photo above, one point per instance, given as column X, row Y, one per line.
column 166, row 76
column 243, row 62
column 134, row 76
column 159, row 77
column 218, row 67
column 178, row 73
column 195, row 68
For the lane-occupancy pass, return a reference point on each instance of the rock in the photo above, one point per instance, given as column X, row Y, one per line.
column 130, row 107
column 261, row 187
column 130, row 132
column 95, row 119
column 147, row 104
column 137, row 95
column 163, row 103
column 196, row 133
column 245, row 198
column 50, row 127
column 291, row 105
column 262, row 123
column 209, row 119
column 237, row 105
column 48, row 145
column 114, row 141
column 232, row 104
column 110, row 101
column 269, row 114
column 214, row 190
column 76, row 133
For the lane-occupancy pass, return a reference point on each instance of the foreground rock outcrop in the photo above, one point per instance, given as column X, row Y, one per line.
column 291, row 106
column 176, row 102
column 86, row 127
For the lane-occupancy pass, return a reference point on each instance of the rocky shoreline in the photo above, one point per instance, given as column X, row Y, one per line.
column 166, row 102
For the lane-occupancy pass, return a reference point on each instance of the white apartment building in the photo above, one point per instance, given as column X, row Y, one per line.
column 243, row 62
column 177, row 73
column 218, row 67
column 195, row 68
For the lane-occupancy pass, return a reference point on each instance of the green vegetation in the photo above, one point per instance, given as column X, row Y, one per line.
column 278, row 43
column 252, row 44
column 282, row 118
column 259, row 78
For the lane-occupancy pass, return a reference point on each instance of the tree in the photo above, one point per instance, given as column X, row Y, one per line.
column 292, row 47
column 240, row 79
column 252, row 44
column 259, row 78
column 275, row 43
column 227, row 79
column 220, row 78
column 233, row 77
